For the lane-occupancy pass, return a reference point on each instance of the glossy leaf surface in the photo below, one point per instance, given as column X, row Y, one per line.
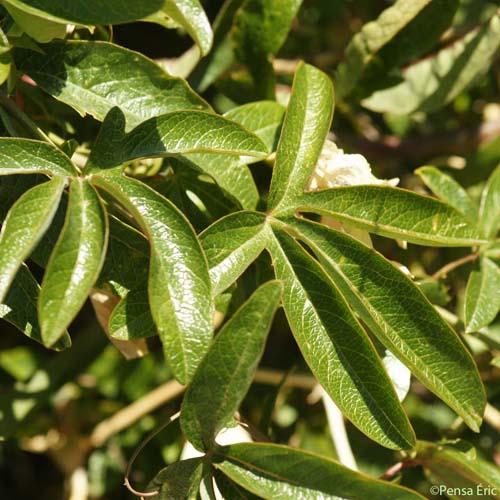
column 75, row 262
column 232, row 244
column 274, row 471
column 131, row 318
column 457, row 464
column 395, row 213
column 336, row 348
column 190, row 15
column 307, row 121
column 401, row 317
column 25, row 224
column 225, row 374
column 93, row 77
column 179, row 285
column 26, row 156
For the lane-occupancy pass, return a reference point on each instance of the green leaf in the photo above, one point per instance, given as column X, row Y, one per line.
column 230, row 489
column 26, row 222
column 131, row 318
column 226, row 372
column 90, row 12
column 263, row 118
column 40, row 29
column 336, row 348
column 12, row 187
column 5, row 57
column 179, row 284
column 394, row 213
column 232, row 244
column 126, row 264
column 449, row 190
column 93, row 77
column 231, row 174
column 190, row 15
column 275, row 471
column 175, row 133
column 221, row 57
column 489, row 209
column 194, row 193
column 458, row 465
column 260, row 28
column 26, row 156
column 403, row 31
column 75, row 262
column 482, row 296
column 20, row 308
column 179, row 481
column 306, row 125
column 434, row 81
column 399, row 315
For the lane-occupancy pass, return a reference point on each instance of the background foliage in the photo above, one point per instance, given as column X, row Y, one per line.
column 168, row 146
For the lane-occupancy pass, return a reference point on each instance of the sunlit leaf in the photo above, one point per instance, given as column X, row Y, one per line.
column 395, row 213
column 25, row 224
column 273, row 471
column 75, row 262
column 225, row 374
column 179, row 285
column 306, row 125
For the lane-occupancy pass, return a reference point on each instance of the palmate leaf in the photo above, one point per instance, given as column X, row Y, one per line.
column 395, row 213
column 25, row 224
column 179, row 285
column 398, row 313
column 307, row 121
column 336, row 347
column 75, row 262
column 274, row 471
column 225, row 374
column 433, row 82
column 93, row 77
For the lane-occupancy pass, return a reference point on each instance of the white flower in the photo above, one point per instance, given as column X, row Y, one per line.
column 336, row 169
